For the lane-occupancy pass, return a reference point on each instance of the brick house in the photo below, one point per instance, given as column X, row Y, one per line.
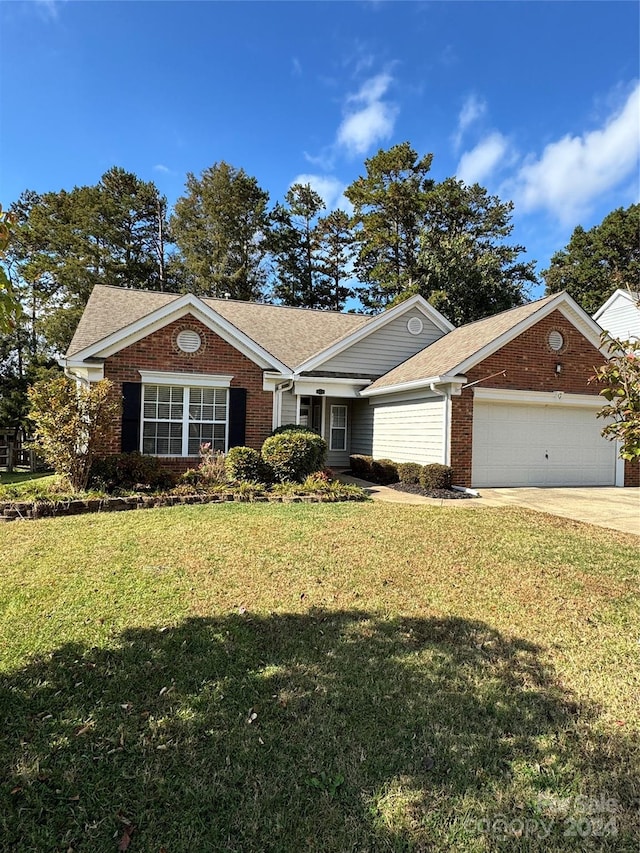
column 504, row 401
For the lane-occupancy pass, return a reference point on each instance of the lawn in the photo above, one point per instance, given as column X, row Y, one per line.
column 332, row 677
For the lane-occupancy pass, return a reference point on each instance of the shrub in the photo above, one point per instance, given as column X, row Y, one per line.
column 212, row 465
column 384, row 471
column 292, row 428
column 409, row 472
column 293, row 455
column 436, row 476
column 126, row 471
column 245, row 463
column 361, row 466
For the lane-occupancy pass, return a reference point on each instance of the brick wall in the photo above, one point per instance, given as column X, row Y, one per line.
column 530, row 365
column 158, row 351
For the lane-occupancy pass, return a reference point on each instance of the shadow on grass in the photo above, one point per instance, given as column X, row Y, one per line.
column 326, row 731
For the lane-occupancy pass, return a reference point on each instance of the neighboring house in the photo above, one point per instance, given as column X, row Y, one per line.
column 504, row 401
column 620, row 315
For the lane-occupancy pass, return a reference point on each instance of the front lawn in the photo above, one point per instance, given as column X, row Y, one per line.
column 329, row 677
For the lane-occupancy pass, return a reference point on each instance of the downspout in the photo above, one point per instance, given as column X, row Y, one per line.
column 277, row 401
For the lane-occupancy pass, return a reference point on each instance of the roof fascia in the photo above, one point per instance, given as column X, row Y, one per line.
column 567, row 306
column 415, row 385
column 373, row 325
column 187, row 304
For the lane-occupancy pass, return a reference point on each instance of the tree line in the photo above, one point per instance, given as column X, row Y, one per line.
column 407, row 234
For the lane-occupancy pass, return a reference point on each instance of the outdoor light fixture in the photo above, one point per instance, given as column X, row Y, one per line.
column 558, row 368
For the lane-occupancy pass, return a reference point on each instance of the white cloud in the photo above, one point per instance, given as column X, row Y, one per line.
column 572, row 172
column 478, row 164
column 369, row 118
column 472, row 109
column 329, row 189
column 296, row 67
column 160, row 167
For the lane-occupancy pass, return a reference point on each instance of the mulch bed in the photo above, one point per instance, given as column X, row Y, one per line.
column 441, row 494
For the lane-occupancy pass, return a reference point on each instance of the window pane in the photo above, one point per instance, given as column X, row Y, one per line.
column 339, row 416
column 338, row 439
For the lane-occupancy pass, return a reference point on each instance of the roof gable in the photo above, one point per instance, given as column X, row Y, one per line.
column 468, row 345
column 621, row 295
column 275, row 336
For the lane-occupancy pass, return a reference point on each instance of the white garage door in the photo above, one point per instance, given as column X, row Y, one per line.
column 540, row 445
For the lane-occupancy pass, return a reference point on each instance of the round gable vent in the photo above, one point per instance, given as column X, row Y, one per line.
column 555, row 341
column 188, row 341
column 415, row 326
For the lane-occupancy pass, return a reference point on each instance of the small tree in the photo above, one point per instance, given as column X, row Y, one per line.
column 71, row 424
column 621, row 375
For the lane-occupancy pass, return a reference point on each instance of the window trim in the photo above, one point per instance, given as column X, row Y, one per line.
column 193, row 380
column 148, row 378
column 344, row 428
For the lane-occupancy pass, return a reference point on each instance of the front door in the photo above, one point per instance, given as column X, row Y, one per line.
column 311, row 413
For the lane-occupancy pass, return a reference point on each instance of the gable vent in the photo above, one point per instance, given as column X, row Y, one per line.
column 555, row 341
column 188, row 341
column 415, row 326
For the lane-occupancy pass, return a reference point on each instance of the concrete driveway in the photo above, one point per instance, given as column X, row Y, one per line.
column 618, row 509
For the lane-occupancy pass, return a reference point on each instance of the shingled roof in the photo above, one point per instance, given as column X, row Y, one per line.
column 292, row 335
column 445, row 356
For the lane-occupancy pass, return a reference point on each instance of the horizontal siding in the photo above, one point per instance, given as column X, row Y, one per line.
column 384, row 349
column 621, row 319
column 410, row 431
column 289, row 409
column 361, row 427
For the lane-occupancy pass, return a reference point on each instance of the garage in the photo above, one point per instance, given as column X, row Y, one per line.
column 539, row 439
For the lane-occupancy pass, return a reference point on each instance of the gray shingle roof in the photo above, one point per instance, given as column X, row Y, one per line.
column 444, row 356
column 292, row 335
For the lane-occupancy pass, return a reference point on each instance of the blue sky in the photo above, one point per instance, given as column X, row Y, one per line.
column 539, row 102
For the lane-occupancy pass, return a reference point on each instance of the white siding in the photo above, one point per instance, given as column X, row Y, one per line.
column 409, row 431
column 621, row 319
column 289, row 408
column 386, row 348
column 361, row 427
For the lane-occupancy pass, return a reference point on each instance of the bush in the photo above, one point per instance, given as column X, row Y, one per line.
column 245, row 463
column 409, row 473
column 436, row 476
column 384, row 471
column 361, row 466
column 212, row 465
column 292, row 428
column 293, row 455
column 127, row 471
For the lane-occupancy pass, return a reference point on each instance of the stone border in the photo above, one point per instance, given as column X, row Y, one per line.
column 29, row 510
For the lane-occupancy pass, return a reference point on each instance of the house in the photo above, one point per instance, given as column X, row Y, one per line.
column 505, row 400
column 620, row 315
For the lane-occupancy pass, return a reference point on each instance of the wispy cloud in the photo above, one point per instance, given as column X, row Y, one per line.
column 48, row 8
column 296, row 67
column 330, row 190
column 571, row 173
column 479, row 163
column 160, row 167
column 472, row 110
column 369, row 118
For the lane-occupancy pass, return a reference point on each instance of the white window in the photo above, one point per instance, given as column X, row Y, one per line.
column 177, row 419
column 338, row 440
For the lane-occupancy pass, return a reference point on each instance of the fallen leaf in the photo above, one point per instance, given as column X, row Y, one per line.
column 125, row 841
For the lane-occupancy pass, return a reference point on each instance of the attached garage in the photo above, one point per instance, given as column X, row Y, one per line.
column 539, row 439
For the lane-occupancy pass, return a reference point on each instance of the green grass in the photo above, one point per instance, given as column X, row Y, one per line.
column 335, row 677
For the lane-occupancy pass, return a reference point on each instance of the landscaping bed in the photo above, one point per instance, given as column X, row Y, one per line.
column 440, row 494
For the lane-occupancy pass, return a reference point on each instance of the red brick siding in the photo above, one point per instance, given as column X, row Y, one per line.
column 158, row 352
column 530, row 366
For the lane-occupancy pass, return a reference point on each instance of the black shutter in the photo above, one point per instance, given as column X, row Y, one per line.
column 131, row 399
column 237, row 416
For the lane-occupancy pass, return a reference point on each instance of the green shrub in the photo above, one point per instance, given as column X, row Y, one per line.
column 360, row 465
column 292, row 428
column 293, row 455
column 436, row 476
column 244, row 463
column 128, row 471
column 409, row 473
column 384, row 471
